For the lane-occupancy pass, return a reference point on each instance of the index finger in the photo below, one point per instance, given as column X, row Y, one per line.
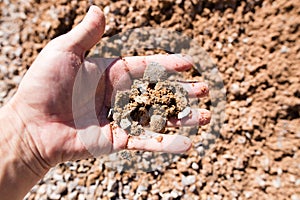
column 136, row 65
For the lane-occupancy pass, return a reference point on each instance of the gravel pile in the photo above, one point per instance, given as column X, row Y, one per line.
column 256, row 47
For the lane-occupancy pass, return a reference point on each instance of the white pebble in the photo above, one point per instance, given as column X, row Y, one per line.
column 235, row 89
column 295, row 197
column 241, row 140
column 106, row 10
column 184, row 113
column 188, row 180
column 276, row 182
column 248, row 194
column 126, row 189
column 284, row 49
column 195, row 166
column 125, row 123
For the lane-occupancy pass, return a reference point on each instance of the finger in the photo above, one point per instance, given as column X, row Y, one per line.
column 136, row 65
column 151, row 141
column 86, row 34
column 197, row 89
column 197, row 117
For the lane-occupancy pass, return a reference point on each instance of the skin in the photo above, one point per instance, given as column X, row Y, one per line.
column 38, row 125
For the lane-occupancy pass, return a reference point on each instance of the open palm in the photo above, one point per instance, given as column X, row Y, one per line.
column 63, row 99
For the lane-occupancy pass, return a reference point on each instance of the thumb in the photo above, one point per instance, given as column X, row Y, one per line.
column 86, row 34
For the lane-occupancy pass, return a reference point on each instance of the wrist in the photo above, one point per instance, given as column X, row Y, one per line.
column 20, row 167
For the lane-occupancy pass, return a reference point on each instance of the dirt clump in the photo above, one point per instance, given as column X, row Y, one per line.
column 150, row 102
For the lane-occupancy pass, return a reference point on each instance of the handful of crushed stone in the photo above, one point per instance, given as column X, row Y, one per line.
column 150, row 102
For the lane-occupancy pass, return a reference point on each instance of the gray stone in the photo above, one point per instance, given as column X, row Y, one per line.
column 154, row 72
column 125, row 123
column 157, row 123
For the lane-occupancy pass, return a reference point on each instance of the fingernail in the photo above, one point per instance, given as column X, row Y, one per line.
column 204, row 117
column 186, row 57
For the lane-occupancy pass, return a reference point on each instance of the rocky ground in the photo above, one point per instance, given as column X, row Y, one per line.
column 256, row 46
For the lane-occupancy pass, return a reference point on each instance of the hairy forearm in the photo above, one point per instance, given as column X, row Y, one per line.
column 19, row 169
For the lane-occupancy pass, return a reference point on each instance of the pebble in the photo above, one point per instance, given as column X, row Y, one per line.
column 295, row 197
column 54, row 196
column 157, row 123
column 106, row 10
column 155, row 72
column 248, row 194
column 245, row 40
column 195, row 166
column 125, row 123
column 61, row 188
column 241, row 140
column 174, row 193
column 235, row 89
column 284, row 49
column 141, row 99
column 126, row 189
column 277, row 182
column 260, row 181
column 73, row 195
column 265, row 162
column 141, row 188
column 188, row 180
column 184, row 113
column 142, row 86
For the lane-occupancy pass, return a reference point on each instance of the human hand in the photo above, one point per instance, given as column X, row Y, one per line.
column 62, row 94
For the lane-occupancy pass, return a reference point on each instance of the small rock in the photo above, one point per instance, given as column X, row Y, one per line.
column 141, row 188
column 154, row 72
column 126, row 155
column 248, row 194
column 81, row 197
column 188, row 180
column 157, row 123
column 110, row 114
column 125, row 123
column 141, row 99
column 235, row 89
column 245, row 40
column 106, row 10
column 184, row 113
column 195, row 166
column 260, row 181
column 73, row 195
column 142, row 86
column 234, row 194
column 265, row 163
column 219, row 45
column 295, row 197
column 241, row 140
column 54, row 196
column 58, row 177
column 217, row 197
column 61, row 188
column 284, row 49
column 174, row 193
column 277, row 182
column 126, row 189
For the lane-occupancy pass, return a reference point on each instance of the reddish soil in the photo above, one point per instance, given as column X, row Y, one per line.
column 256, row 46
